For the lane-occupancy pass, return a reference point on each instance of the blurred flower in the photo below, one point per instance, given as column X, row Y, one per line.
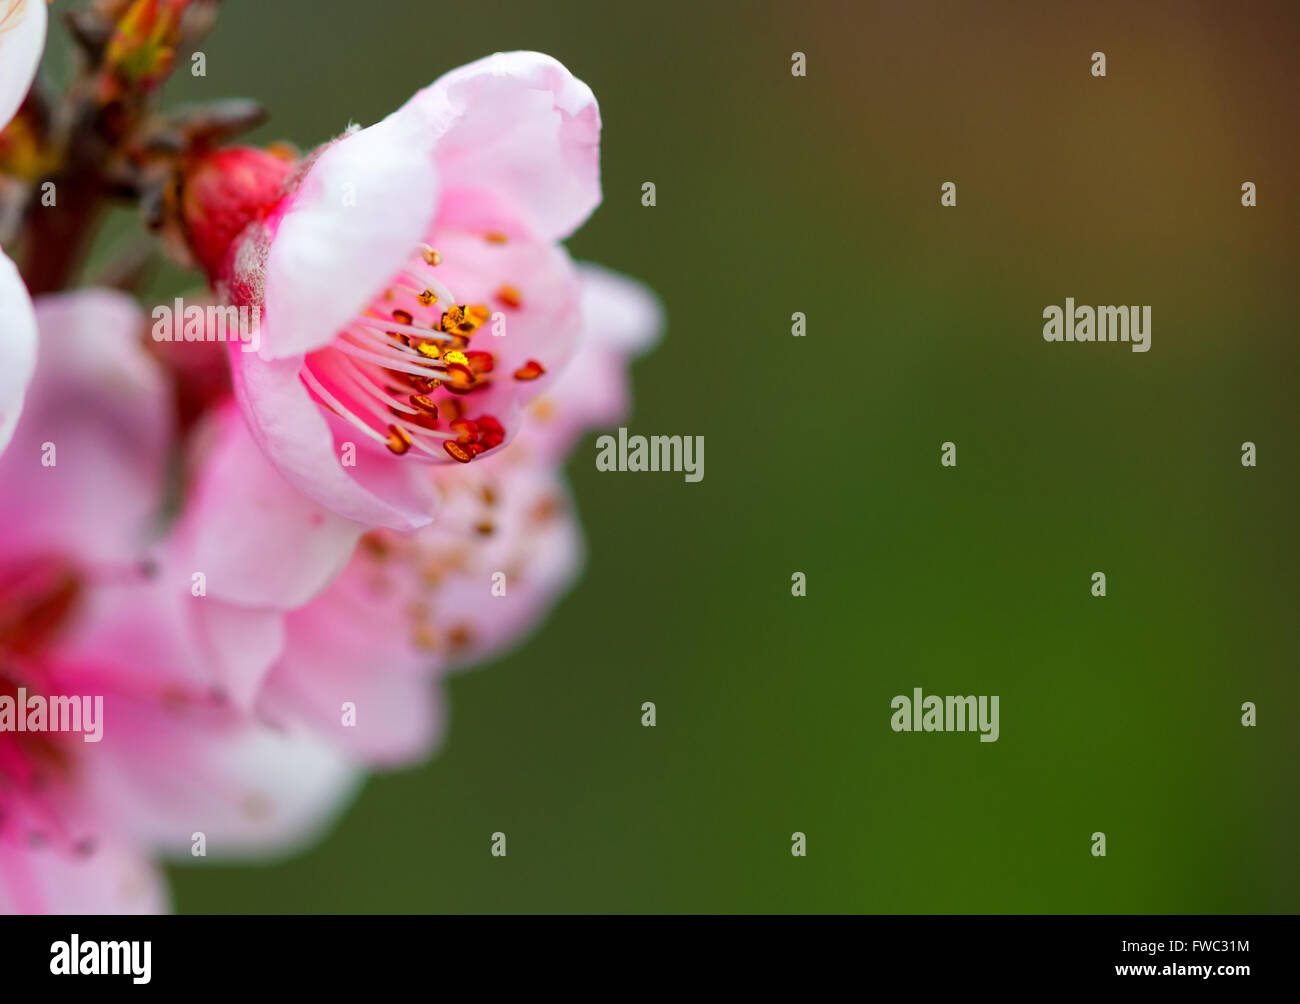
column 89, row 609
column 411, row 606
column 391, row 247
column 407, row 607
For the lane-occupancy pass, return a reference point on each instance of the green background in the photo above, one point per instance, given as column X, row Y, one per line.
column 779, row 194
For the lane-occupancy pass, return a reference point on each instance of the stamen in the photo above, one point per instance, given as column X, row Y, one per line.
column 399, row 441
column 384, row 327
column 480, row 362
column 380, row 413
column 461, row 378
column 457, row 452
column 366, row 384
column 530, row 370
column 427, row 278
column 311, row 381
column 398, row 363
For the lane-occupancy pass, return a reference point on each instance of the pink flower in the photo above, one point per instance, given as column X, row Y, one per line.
column 388, row 268
column 90, row 609
column 316, row 625
column 22, row 38
column 407, row 607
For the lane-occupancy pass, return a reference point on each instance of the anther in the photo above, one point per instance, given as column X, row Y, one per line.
column 399, row 440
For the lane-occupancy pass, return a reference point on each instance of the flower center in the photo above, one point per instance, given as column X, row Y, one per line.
column 399, row 371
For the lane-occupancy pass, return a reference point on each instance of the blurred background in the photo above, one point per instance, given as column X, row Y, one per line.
column 821, row 194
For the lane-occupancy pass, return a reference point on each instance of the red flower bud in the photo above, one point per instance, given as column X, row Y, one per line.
column 222, row 192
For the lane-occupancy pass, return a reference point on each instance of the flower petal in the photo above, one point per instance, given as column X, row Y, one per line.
column 22, row 39
column 536, row 536
column 621, row 318
column 521, row 127
column 344, row 648
column 297, row 437
column 250, row 789
column 258, row 541
column 112, row 879
column 359, row 213
column 100, row 402
column 17, row 347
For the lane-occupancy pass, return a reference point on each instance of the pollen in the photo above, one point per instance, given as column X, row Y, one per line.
column 376, row 546
column 480, row 362
column 466, row 430
column 461, row 636
column 495, row 237
column 462, row 320
column 460, row 378
column 431, row 257
column 403, row 316
column 429, row 350
column 457, row 452
column 427, row 298
column 510, row 296
column 399, row 440
column 530, row 370
column 451, row 317
column 425, row 404
column 425, row 638
column 455, row 356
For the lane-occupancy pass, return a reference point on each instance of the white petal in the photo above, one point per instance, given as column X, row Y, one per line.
column 519, row 128
column 359, row 214
column 22, row 39
column 17, row 347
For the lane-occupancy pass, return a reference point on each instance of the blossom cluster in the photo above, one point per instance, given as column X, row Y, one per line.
column 260, row 559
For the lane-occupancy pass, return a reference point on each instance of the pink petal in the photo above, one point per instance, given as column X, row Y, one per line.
column 307, row 449
column 546, row 322
column 102, row 402
column 257, row 540
column 621, row 319
column 112, row 879
column 536, row 541
column 22, row 39
column 349, row 647
column 252, row 790
column 521, row 127
column 360, row 212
